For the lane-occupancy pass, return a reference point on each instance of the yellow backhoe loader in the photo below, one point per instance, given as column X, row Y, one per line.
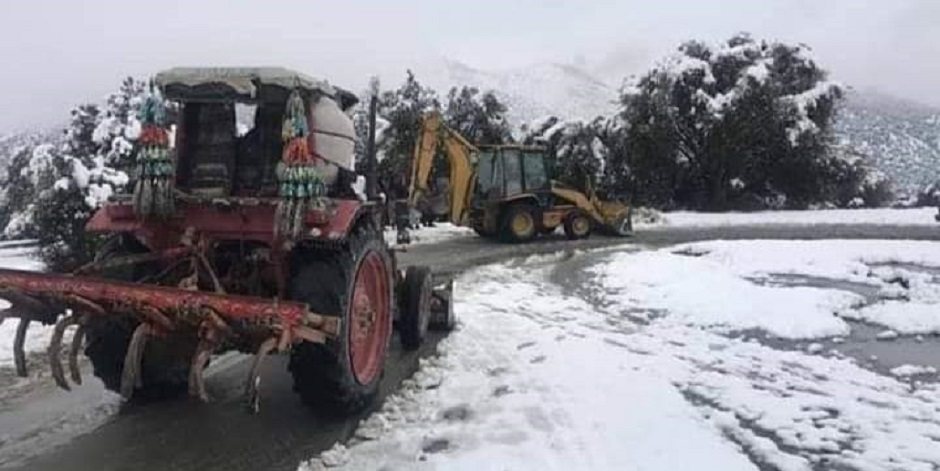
column 506, row 192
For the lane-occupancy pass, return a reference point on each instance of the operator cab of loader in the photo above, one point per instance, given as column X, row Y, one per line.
column 507, row 171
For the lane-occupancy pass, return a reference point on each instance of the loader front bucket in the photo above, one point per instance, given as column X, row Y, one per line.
column 254, row 324
column 617, row 217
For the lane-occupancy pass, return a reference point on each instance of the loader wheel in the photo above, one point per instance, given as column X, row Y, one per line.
column 354, row 283
column 577, row 225
column 416, row 307
column 519, row 223
column 165, row 365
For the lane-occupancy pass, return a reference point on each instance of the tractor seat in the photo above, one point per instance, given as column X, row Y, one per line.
column 213, row 147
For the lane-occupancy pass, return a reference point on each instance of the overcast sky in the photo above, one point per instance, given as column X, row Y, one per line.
column 56, row 53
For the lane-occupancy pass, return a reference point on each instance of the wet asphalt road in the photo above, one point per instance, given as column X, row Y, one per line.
column 183, row 435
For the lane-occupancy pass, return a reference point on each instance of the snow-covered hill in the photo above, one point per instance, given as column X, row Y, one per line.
column 529, row 92
column 901, row 137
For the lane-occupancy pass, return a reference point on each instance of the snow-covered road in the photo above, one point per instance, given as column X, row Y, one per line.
column 664, row 360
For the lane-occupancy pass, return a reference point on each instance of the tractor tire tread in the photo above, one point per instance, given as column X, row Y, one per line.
column 324, row 279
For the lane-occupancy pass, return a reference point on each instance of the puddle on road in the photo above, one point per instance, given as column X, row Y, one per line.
column 868, row 291
column 863, row 343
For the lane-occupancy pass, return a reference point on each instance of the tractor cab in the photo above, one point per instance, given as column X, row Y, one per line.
column 229, row 121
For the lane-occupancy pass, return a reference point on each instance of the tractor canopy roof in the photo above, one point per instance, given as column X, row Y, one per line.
column 243, row 84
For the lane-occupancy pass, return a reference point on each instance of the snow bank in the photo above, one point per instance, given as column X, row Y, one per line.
column 881, row 217
column 903, row 317
column 705, row 292
column 723, row 285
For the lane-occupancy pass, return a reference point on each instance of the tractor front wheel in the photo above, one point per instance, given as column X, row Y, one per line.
column 354, row 283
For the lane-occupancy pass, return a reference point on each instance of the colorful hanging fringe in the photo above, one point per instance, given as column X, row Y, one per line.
column 301, row 188
column 153, row 192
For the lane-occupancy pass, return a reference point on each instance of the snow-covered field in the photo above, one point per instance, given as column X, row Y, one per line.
column 882, row 217
column 15, row 255
column 653, row 363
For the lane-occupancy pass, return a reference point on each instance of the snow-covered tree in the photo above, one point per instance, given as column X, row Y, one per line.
column 118, row 128
column 741, row 118
column 31, row 166
column 479, row 117
column 400, row 110
column 73, row 180
column 576, row 151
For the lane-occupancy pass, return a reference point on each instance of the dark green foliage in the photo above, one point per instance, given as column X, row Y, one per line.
column 480, row 118
column 60, row 219
column 744, row 125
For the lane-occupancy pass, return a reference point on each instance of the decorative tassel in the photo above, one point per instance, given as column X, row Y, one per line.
column 154, row 190
column 301, row 188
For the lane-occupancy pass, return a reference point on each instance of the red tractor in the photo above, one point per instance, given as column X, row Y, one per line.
column 243, row 232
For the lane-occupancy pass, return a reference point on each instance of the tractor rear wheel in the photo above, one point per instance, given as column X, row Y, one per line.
column 519, row 224
column 355, row 283
column 577, row 225
column 166, row 362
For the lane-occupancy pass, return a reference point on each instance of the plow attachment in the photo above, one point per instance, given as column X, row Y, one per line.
column 249, row 324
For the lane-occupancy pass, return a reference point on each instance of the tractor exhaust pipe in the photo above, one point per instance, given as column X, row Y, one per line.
column 371, row 161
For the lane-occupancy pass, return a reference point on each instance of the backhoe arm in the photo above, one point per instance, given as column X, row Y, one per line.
column 460, row 157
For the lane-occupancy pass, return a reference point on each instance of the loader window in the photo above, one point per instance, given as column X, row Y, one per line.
column 533, row 164
column 489, row 176
column 513, row 162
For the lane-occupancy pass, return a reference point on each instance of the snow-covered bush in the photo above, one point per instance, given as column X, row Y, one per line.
column 850, row 182
column 929, row 195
